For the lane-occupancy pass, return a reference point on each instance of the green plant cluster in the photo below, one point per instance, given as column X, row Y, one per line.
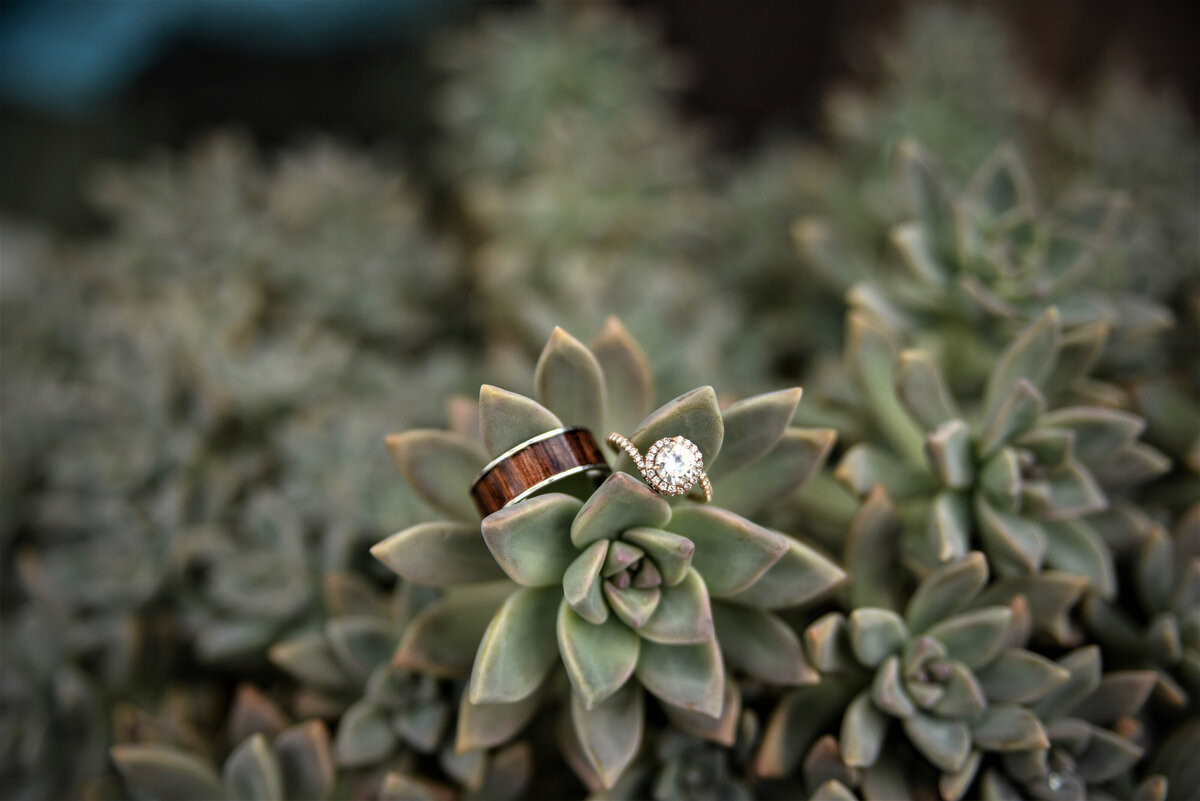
column 963, row 562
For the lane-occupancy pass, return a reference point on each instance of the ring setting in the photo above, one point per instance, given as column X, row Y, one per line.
column 671, row 466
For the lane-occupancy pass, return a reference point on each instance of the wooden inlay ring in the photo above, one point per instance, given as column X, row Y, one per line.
column 535, row 464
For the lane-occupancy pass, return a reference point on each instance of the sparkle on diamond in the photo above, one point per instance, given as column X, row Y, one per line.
column 675, row 462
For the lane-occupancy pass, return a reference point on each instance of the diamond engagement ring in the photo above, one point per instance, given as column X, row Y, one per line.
column 671, row 466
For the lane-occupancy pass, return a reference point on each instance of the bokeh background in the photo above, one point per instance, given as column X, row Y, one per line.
column 241, row 241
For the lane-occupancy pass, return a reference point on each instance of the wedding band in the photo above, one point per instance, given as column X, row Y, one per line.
column 534, row 465
column 671, row 466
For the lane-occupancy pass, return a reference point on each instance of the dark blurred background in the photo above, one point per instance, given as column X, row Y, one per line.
column 87, row 81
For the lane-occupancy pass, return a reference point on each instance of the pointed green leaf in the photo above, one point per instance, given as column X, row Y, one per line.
column 490, row 725
column 611, row 732
column 690, row 676
column 872, row 547
column 1020, row 677
column 731, row 552
column 1030, row 357
column 798, row 719
column 1155, row 563
column 440, row 467
column 1081, row 347
column 1000, row 480
column 954, row 786
column 627, row 376
column 531, row 540
column 1008, row 727
column 875, row 634
column 945, row 743
column 870, row 356
column 974, row 638
column 161, row 772
column 1014, row 413
column 620, row 556
column 507, row 419
column 310, row 659
column 1001, row 184
column 1099, row 432
column 1108, row 755
column 443, row 638
column 1049, row 595
column 517, row 650
column 962, row 697
column 949, row 525
column 951, row 454
column 918, row 253
column 761, row 645
column 364, row 737
column 923, row 391
column 632, row 604
column 581, row 583
column 362, row 642
column 863, row 731
column 683, row 614
column 599, row 658
column 865, row 467
column 827, row 644
column 1072, row 546
column 694, row 415
column 925, row 191
column 798, row 454
column 887, row 690
column 752, row 427
column 800, row 575
column 439, row 554
column 945, row 591
column 622, row 502
column 1072, row 492
column 306, row 760
column 722, row 730
column 569, row 381
column 671, row 553
column 1014, row 544
column 1121, row 693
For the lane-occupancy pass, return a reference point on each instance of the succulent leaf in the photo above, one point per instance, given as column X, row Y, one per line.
column 1008, row 727
column 683, row 614
column 305, row 760
column 599, row 658
column 627, row 377
column 438, row 554
column 923, row 390
column 863, row 731
column 801, row 574
column 364, row 736
column 871, row 545
column 507, row 419
column 443, row 638
column 671, row 553
column 723, row 730
column 610, row 732
column 439, row 466
column 950, row 453
column 1019, row 676
column 582, row 583
column 875, row 634
column 1015, row 544
column 731, row 552
column 887, row 690
column 688, row 676
column 1015, row 412
column 162, row 772
column 622, row 502
column 945, row 743
column 310, row 659
column 974, row 638
column 490, row 725
column 633, row 605
column 797, row 455
column 945, row 591
column 752, row 427
column 760, row 644
column 949, row 525
column 1072, row 546
column 531, row 540
column 361, row 643
column 695, row 415
column 1029, row 358
column 515, row 654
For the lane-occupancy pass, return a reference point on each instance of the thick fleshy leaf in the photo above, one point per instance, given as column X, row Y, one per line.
column 531, row 540
column 306, row 760
column 945, row 743
column 974, row 638
column 671, row 553
column 1016, row 545
column 1108, row 755
column 801, row 574
column 918, row 252
column 1156, row 561
column 950, row 454
column 887, row 690
column 403, row 787
column 761, row 645
column 620, row 556
column 599, row 658
column 797, row 720
column 828, row 644
column 582, row 582
column 254, row 713
column 569, row 381
column 953, row 786
column 870, row 357
column 440, row 467
column 1008, row 727
column 444, row 637
column 622, row 502
column 1049, row 594
column 1072, row 546
column 694, row 415
column 871, row 551
column 310, row 659
column 863, row 731
column 949, row 525
column 925, row 190
column 962, row 697
column 517, row 650
column 361, row 642
column 1080, row 348
column 865, row 467
column 627, row 376
column 1134, row 464
column 1099, row 432
column 1020, row 677
column 1000, row 480
column 752, row 427
column 1014, row 414
column 945, row 591
column 731, row 552
column 798, row 454
column 490, row 725
column 875, row 634
column 690, row 676
column 364, row 736
column 923, row 391
column 683, row 614
column 439, row 554
column 1071, row 492
column 723, row 730
column 1121, row 693
column 634, row 605
column 507, row 419
column 1051, row 447
column 611, row 732
column 1030, row 357
column 508, row 773
column 162, row 772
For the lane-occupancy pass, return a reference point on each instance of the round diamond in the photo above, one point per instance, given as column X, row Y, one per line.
column 676, row 461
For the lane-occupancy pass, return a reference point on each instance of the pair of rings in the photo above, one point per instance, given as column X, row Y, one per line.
column 671, row 466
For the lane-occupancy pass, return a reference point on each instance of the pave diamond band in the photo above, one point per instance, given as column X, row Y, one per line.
column 671, row 466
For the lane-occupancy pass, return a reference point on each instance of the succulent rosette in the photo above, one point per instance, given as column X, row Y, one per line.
column 627, row 590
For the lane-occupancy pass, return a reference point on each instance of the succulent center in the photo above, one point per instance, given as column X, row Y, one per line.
column 631, row 583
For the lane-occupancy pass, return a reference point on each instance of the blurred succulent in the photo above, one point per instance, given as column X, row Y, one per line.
column 631, row 585
column 1158, row 624
column 1018, row 477
column 950, row 678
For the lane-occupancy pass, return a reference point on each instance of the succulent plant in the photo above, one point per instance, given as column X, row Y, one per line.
column 625, row 590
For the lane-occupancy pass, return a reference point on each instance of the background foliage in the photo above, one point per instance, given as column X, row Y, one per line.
column 991, row 296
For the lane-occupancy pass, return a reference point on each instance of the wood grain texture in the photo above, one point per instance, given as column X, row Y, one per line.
column 564, row 453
